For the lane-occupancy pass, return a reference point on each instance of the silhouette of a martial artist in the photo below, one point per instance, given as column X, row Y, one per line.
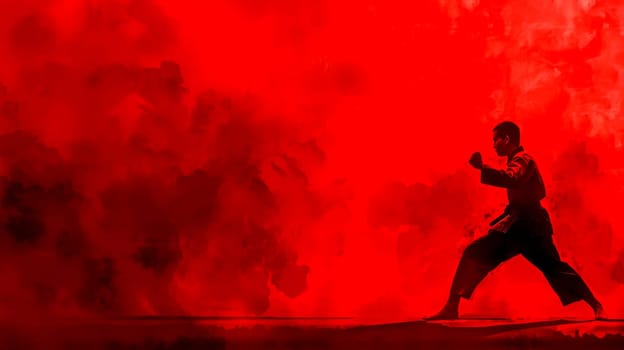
column 523, row 228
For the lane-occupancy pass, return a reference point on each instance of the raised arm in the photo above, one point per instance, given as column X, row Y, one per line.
column 518, row 170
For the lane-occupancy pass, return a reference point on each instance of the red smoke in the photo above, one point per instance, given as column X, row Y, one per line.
column 286, row 157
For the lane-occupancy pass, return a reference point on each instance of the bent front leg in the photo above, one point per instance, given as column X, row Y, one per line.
column 478, row 259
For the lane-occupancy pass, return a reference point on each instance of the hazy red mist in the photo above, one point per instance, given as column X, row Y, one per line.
column 291, row 157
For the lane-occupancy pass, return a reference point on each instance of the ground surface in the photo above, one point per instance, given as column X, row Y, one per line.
column 283, row 333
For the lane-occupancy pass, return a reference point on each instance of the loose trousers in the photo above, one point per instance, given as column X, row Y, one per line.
column 532, row 239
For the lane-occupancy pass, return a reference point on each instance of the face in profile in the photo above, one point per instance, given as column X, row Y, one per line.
column 501, row 144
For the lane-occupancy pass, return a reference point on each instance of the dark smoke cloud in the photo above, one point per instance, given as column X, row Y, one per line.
column 296, row 157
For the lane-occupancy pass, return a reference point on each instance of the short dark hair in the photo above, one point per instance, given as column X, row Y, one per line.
column 510, row 129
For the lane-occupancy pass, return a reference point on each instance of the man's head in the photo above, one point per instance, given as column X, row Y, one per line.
column 506, row 138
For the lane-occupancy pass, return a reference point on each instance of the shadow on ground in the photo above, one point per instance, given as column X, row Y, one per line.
column 201, row 333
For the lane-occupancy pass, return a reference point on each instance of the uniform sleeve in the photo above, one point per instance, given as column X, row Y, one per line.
column 517, row 171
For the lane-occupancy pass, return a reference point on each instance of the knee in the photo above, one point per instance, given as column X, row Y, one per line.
column 563, row 266
column 471, row 251
column 551, row 267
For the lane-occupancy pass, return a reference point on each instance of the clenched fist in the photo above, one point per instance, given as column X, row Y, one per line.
column 476, row 160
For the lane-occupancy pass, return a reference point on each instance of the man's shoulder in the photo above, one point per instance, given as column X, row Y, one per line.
column 522, row 157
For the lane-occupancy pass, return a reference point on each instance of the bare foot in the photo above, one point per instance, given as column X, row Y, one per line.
column 599, row 312
column 445, row 314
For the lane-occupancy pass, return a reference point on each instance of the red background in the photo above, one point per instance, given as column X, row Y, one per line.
column 290, row 157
